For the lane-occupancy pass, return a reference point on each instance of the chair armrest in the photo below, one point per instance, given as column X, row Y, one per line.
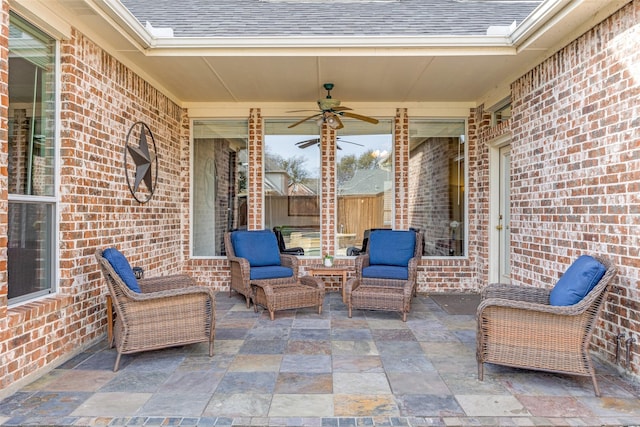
column 164, row 303
column 162, row 283
column 361, row 262
column 241, row 265
column 516, row 293
column 290, row 261
column 413, row 269
column 351, row 285
column 531, row 307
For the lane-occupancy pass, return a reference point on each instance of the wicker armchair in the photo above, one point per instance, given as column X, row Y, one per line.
column 518, row 327
column 385, row 276
column 168, row 311
column 243, row 274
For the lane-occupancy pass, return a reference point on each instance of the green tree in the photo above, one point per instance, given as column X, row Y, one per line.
column 348, row 165
column 294, row 166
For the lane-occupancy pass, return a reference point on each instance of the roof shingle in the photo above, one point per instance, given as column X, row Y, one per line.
column 302, row 18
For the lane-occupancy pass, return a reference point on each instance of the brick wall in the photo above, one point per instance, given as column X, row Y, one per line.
column 100, row 100
column 575, row 156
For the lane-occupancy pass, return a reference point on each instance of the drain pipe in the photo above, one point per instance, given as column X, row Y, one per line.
column 629, row 343
column 619, row 339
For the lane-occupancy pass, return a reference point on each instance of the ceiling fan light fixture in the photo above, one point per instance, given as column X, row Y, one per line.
column 331, row 120
column 330, row 112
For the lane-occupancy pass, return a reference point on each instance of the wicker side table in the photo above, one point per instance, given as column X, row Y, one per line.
column 308, row 291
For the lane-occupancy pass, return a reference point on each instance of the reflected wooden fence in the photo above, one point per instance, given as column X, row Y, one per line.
column 300, row 217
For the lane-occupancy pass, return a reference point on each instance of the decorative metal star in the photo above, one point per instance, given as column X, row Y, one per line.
column 143, row 160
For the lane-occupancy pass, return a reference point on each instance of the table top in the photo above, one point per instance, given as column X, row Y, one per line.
column 334, row 267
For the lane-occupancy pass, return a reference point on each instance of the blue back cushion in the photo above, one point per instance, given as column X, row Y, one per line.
column 259, row 247
column 122, row 268
column 582, row 276
column 391, row 247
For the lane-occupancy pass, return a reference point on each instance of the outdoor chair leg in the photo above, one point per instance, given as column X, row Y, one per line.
column 115, row 367
column 595, row 385
column 480, row 371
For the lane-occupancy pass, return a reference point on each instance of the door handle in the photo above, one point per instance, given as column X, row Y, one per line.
column 499, row 227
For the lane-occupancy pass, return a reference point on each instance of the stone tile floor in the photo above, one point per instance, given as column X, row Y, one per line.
column 306, row 369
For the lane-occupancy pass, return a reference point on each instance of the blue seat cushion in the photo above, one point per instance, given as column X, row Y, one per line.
column 391, row 247
column 122, row 268
column 259, row 247
column 270, row 272
column 582, row 276
column 386, row 272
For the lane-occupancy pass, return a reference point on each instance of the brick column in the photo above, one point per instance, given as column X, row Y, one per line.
column 255, row 185
column 328, row 202
column 401, row 170
column 4, row 204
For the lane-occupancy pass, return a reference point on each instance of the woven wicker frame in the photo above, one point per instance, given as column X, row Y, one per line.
column 240, row 272
column 383, row 294
column 517, row 327
column 306, row 292
column 171, row 311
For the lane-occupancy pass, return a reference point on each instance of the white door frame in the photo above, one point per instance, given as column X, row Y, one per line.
column 494, row 205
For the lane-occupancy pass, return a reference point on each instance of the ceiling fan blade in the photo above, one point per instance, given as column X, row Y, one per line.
column 360, row 117
column 312, row 140
column 299, row 111
column 341, row 109
column 349, row 142
column 304, row 120
column 308, row 143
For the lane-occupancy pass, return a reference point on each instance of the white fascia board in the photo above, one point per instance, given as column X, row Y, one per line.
column 124, row 20
column 40, row 14
column 552, row 13
column 537, row 20
column 335, row 46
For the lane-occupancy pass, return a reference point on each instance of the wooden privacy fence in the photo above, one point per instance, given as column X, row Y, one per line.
column 355, row 213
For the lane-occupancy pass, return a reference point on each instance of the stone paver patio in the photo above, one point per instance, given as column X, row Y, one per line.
column 305, row 369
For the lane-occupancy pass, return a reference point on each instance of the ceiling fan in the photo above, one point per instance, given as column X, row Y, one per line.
column 316, row 141
column 330, row 112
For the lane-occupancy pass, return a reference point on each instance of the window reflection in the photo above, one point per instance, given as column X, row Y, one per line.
column 437, row 171
column 219, row 196
column 30, row 161
column 364, row 181
column 292, row 184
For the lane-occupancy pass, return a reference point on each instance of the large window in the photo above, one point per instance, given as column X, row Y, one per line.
column 31, row 167
column 437, row 176
column 292, row 183
column 219, row 186
column 364, row 182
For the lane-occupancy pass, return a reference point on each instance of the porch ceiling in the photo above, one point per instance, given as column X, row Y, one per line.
column 364, row 70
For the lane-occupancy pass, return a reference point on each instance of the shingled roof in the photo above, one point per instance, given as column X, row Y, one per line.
column 320, row 18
